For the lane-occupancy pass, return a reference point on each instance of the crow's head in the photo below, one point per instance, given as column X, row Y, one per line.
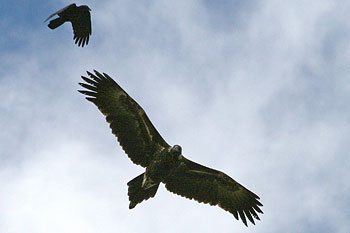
column 85, row 7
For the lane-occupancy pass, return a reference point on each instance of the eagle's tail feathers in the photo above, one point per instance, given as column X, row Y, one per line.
column 137, row 194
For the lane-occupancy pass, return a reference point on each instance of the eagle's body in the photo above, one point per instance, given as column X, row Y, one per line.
column 80, row 18
column 164, row 164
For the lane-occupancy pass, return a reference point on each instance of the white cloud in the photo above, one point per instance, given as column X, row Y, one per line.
column 264, row 99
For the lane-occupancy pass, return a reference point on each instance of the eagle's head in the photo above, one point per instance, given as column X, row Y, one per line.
column 176, row 152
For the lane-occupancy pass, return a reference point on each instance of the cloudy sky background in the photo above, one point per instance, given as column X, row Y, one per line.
column 259, row 90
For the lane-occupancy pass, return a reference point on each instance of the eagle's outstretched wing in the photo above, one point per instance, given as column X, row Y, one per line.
column 203, row 184
column 128, row 121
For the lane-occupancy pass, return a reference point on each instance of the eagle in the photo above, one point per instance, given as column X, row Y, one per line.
column 164, row 163
column 80, row 18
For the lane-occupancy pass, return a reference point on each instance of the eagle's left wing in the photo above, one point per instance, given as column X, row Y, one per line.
column 203, row 184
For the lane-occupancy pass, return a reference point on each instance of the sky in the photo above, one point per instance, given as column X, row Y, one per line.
column 257, row 89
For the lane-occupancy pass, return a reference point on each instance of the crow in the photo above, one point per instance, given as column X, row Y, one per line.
column 80, row 18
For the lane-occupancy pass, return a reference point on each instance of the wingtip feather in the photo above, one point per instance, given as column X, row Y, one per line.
column 90, row 99
column 99, row 74
column 92, row 76
column 242, row 216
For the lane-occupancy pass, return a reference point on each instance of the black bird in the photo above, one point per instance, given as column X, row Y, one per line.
column 164, row 163
column 80, row 18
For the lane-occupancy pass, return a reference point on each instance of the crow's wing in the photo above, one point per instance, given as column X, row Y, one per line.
column 60, row 11
column 82, row 27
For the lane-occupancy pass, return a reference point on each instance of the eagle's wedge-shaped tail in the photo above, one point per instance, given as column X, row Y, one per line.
column 137, row 194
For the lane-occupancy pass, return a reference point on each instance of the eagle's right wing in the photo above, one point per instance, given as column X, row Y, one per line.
column 128, row 121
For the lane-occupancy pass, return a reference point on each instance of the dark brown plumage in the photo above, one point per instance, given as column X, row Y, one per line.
column 143, row 144
column 80, row 18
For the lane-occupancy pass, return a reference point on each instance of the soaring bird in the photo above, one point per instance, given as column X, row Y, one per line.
column 80, row 18
column 164, row 163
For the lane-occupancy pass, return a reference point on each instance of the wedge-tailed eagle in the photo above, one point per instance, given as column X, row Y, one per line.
column 164, row 163
column 80, row 18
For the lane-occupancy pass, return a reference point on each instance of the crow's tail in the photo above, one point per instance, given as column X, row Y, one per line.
column 56, row 23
